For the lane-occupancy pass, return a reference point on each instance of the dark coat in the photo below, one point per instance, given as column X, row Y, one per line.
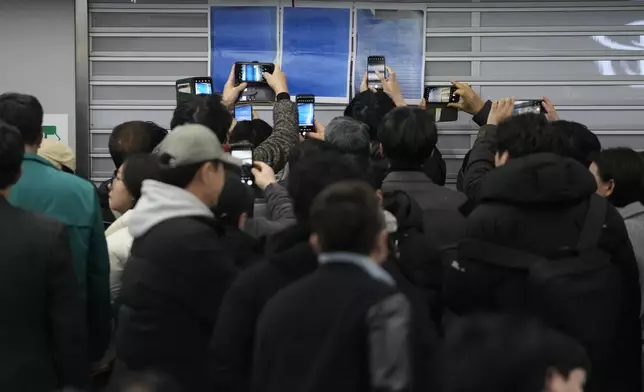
column 172, row 287
column 444, row 224
column 43, row 333
column 291, row 259
column 538, row 204
column 338, row 329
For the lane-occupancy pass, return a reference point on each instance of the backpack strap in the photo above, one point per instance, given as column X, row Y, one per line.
column 499, row 255
column 595, row 217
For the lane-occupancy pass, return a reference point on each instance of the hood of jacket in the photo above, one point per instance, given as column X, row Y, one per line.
column 160, row 202
column 404, row 209
column 538, row 179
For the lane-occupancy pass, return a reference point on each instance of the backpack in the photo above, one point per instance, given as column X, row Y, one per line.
column 577, row 291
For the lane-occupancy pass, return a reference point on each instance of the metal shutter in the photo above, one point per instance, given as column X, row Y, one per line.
column 521, row 48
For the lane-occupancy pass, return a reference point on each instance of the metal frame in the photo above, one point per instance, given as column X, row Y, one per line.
column 83, row 137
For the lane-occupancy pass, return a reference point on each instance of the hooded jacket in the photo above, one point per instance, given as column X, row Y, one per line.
column 172, row 285
column 538, row 204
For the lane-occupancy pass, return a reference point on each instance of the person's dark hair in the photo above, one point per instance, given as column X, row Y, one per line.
column 207, row 110
column 315, row 172
column 348, row 135
column 347, row 217
column 134, row 137
column 236, row 199
column 626, row 168
column 370, row 108
column 12, row 150
column 408, row 135
column 489, row 353
column 253, row 132
column 138, row 168
column 583, row 142
column 529, row 134
column 306, row 148
column 25, row 113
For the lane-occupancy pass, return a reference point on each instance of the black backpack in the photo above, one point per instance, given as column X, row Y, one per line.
column 577, row 291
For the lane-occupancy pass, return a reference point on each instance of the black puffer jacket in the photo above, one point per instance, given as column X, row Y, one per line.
column 538, row 204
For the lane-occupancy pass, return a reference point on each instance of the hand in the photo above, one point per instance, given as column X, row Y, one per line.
column 501, row 110
column 264, row 175
column 470, row 101
column 551, row 111
column 255, row 115
column 392, row 87
column 277, row 80
column 364, row 86
column 319, row 131
column 423, row 104
column 231, row 92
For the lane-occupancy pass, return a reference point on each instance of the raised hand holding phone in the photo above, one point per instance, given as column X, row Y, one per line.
column 231, row 92
column 391, row 87
column 470, row 101
column 501, row 110
column 277, row 80
column 264, row 175
column 550, row 109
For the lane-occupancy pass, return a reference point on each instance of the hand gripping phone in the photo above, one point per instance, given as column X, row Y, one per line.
column 252, row 72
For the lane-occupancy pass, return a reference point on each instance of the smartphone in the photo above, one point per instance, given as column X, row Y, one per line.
column 441, row 94
column 252, row 72
column 305, row 113
column 524, row 106
column 243, row 112
column 244, row 153
column 375, row 64
column 203, row 86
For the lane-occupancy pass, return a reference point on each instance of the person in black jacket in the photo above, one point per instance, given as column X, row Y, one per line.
column 536, row 200
column 43, row 333
column 178, row 270
column 408, row 137
column 345, row 326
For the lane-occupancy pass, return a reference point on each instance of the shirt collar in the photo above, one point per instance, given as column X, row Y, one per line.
column 30, row 156
column 361, row 261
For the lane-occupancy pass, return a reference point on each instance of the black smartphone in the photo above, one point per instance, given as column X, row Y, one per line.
column 252, row 72
column 523, row 106
column 441, row 94
column 375, row 64
column 244, row 152
column 306, row 113
column 243, row 112
column 203, row 86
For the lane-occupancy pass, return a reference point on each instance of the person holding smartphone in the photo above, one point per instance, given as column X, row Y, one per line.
column 274, row 150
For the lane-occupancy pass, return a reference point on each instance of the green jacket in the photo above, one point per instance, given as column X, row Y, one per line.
column 73, row 201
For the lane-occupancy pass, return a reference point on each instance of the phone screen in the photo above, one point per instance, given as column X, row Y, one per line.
column 246, row 156
column 306, row 114
column 203, row 88
column 441, row 94
column 375, row 64
column 252, row 73
column 523, row 107
column 243, row 113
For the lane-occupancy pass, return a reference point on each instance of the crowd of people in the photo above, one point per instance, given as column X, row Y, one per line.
column 349, row 266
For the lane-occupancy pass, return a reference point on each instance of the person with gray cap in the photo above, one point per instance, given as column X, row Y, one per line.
column 179, row 268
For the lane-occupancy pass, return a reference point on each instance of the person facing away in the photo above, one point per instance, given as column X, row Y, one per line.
column 128, row 138
column 494, row 353
column 125, row 192
column 178, row 269
column 344, row 327
column 71, row 200
column 43, row 333
column 537, row 201
column 289, row 258
column 619, row 173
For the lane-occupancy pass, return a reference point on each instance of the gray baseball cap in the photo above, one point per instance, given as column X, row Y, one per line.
column 193, row 143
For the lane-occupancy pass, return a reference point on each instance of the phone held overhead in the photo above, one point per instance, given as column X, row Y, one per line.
column 306, row 113
column 185, row 88
column 252, row 73
column 523, row 106
column 375, row 65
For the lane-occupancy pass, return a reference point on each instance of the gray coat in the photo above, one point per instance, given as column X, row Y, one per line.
column 633, row 215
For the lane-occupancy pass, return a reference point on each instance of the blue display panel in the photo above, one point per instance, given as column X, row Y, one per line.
column 399, row 36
